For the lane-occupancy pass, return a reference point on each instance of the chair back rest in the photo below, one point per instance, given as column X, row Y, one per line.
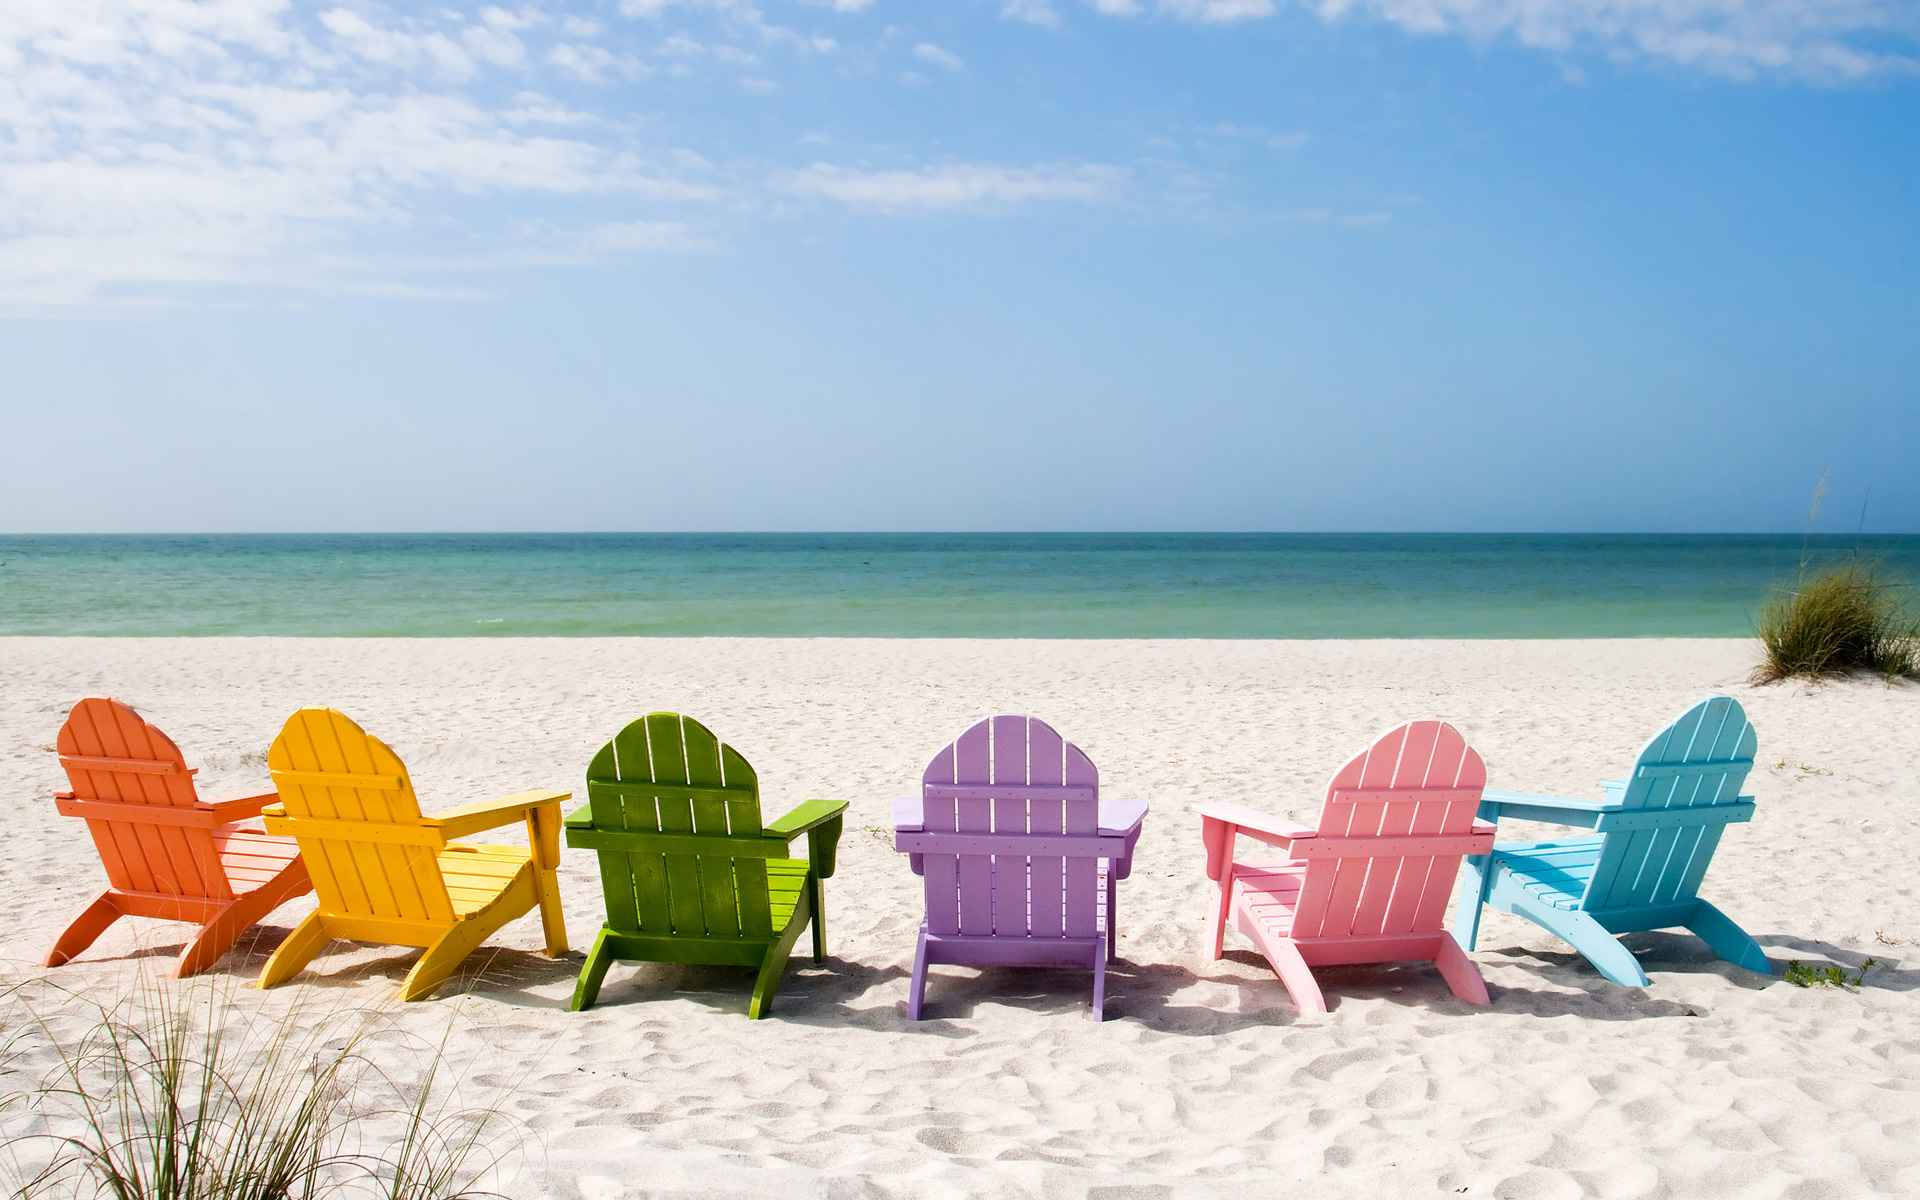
column 350, row 806
column 1698, row 761
column 1396, row 821
column 137, row 795
column 705, row 874
column 1012, row 775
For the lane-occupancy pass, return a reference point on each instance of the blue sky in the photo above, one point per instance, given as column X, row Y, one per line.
column 1005, row 264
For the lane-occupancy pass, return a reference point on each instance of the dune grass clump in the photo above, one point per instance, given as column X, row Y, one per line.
column 165, row 1100
column 1837, row 622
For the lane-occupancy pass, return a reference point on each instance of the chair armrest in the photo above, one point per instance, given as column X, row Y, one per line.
column 821, row 821
column 909, row 814
column 805, row 816
column 1254, row 823
column 1121, row 816
column 243, row 808
column 1220, row 823
column 580, row 818
column 491, row 814
column 1560, row 810
column 63, row 795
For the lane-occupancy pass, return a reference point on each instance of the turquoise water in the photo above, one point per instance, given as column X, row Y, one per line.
column 908, row 585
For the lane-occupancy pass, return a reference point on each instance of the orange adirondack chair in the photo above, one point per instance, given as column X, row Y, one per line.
column 167, row 853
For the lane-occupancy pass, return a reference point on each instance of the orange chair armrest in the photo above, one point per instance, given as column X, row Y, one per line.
column 243, row 807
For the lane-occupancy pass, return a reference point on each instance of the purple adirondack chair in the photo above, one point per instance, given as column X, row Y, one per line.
column 1009, row 832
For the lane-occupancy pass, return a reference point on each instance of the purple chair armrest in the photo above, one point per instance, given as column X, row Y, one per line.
column 1129, row 816
column 910, row 817
column 907, row 815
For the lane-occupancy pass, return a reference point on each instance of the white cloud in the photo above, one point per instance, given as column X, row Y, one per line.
column 1291, row 139
column 589, row 63
column 1828, row 40
column 955, row 186
column 1831, row 41
column 1217, row 12
column 154, row 149
column 1032, row 12
column 939, row 56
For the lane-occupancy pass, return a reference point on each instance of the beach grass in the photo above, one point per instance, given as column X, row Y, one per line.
column 181, row 1096
column 1837, row 622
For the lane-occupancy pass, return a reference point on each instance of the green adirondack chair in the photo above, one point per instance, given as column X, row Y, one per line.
column 691, row 874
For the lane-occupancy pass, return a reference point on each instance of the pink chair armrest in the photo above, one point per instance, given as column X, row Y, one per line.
column 1254, row 823
column 1219, row 822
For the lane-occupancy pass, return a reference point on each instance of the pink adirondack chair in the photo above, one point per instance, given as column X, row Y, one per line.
column 1009, row 832
column 1371, row 883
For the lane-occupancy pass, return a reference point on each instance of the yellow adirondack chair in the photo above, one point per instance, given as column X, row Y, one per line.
column 386, row 874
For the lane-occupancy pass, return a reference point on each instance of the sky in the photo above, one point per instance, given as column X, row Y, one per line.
column 959, row 264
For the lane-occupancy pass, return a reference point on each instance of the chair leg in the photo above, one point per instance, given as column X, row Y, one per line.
column 443, row 958
column 1285, row 958
column 89, row 925
column 1216, row 944
column 774, row 965
column 587, row 989
column 308, row 938
column 553, row 922
column 1478, row 870
column 1099, row 985
column 819, row 890
column 917, row 988
column 1460, row 972
column 217, row 936
column 1113, row 918
column 1727, row 940
column 1594, row 942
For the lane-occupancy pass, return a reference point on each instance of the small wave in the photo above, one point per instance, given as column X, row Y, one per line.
column 491, row 621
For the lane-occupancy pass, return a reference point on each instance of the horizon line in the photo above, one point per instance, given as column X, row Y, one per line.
column 958, row 533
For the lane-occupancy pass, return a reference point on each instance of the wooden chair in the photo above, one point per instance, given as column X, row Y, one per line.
column 690, row 873
column 386, row 874
column 1657, row 830
column 1369, row 883
column 167, row 853
column 1009, row 832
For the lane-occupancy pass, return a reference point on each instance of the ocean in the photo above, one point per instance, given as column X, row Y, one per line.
column 1211, row 585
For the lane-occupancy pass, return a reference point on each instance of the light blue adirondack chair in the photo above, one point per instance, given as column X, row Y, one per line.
column 1658, row 830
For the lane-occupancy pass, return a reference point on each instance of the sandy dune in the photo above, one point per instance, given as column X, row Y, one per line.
column 1712, row 1083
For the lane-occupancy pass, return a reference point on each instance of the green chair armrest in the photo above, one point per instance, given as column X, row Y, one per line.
column 821, row 821
column 580, row 818
column 805, row 816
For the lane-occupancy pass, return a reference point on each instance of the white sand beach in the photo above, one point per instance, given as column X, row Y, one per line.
column 1712, row 1083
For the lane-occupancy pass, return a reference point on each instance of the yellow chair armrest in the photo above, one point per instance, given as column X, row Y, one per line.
column 491, row 814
